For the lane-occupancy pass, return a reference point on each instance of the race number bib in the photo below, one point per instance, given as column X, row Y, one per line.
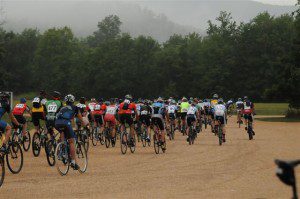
column 52, row 108
column 20, row 106
column 111, row 111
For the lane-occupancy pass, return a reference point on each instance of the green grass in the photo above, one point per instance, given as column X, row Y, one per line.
column 278, row 119
column 271, row 108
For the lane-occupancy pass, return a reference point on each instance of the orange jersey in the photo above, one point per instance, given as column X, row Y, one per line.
column 131, row 107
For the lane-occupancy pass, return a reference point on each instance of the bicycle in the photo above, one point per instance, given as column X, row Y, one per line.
column 83, row 135
column 239, row 114
column 97, row 136
column 219, row 132
column 38, row 141
column 127, row 141
column 192, row 134
column 13, row 153
column 63, row 159
column 171, row 130
column 249, row 128
column 144, row 136
column 286, row 173
column 107, row 135
column 157, row 140
column 18, row 136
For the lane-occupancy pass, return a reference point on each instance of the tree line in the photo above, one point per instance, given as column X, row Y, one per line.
column 259, row 59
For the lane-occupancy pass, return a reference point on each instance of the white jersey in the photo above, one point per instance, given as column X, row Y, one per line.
column 111, row 110
column 192, row 110
column 171, row 109
column 239, row 104
column 220, row 110
column 206, row 104
column 92, row 106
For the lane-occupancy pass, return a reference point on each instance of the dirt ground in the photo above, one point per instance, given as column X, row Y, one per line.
column 238, row 169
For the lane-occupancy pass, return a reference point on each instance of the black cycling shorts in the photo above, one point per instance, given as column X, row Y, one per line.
column 190, row 119
column 145, row 119
column 126, row 118
column 221, row 119
column 20, row 118
column 248, row 117
column 172, row 116
column 183, row 115
column 98, row 119
column 36, row 117
column 157, row 121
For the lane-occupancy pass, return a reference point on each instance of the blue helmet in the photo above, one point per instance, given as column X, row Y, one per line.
column 23, row 100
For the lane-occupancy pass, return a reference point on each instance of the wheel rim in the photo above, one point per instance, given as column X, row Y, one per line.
column 62, row 159
column 14, row 158
column 82, row 159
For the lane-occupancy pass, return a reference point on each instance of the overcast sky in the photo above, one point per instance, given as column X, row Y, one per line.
column 276, row 2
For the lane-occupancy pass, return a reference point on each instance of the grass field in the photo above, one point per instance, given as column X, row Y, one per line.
column 271, row 108
column 278, row 119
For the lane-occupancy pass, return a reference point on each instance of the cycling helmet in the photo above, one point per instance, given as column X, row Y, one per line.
column 82, row 100
column 220, row 101
column 159, row 99
column 240, row 99
column 184, row 99
column 128, row 96
column 245, row 98
column 107, row 103
column 93, row 100
column 215, row 96
column 56, row 95
column 70, row 98
column 23, row 100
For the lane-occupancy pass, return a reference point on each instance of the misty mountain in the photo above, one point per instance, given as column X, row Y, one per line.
column 159, row 19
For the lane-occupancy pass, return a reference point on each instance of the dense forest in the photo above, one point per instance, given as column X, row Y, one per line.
column 259, row 59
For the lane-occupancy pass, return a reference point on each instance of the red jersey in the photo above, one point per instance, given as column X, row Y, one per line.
column 99, row 109
column 131, row 107
column 19, row 109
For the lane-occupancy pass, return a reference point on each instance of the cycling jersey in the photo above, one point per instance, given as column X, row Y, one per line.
column 248, row 107
column 19, row 109
column 220, row 110
column 52, row 107
column 213, row 102
column 158, row 109
column 171, row 109
column 184, row 107
column 131, row 107
column 67, row 112
column 145, row 110
column 38, row 104
column 4, row 108
column 239, row 105
column 99, row 109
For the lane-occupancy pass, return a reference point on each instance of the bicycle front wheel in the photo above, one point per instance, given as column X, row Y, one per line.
column 123, row 142
column 82, row 159
column 14, row 158
column 2, row 170
column 26, row 141
column 62, row 158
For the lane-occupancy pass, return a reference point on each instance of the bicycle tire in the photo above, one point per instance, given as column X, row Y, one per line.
column 81, row 155
column 220, row 135
column 59, row 153
column 85, row 140
column 27, row 147
column 249, row 129
column 156, row 143
column 50, row 152
column 123, row 142
column 36, row 144
column 14, row 148
column 95, row 137
column 101, row 138
column 132, row 146
column 2, row 169
column 144, row 136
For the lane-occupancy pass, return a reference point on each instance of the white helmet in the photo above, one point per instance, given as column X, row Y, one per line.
column 70, row 98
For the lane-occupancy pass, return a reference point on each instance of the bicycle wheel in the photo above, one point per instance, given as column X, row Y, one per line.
column 26, row 141
column 95, row 137
column 82, row 159
column 123, row 142
column 36, row 144
column 85, row 140
column 2, row 170
column 249, row 130
column 50, row 152
column 156, row 143
column 220, row 135
column 190, row 136
column 107, row 138
column 164, row 146
column 132, row 145
column 144, row 136
column 62, row 158
column 101, row 138
column 14, row 158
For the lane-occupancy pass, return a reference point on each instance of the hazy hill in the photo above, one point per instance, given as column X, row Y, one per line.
column 159, row 19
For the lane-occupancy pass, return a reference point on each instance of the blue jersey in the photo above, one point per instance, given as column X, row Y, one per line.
column 67, row 112
column 4, row 107
column 158, row 108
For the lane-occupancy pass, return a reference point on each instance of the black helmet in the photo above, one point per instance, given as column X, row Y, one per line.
column 56, row 94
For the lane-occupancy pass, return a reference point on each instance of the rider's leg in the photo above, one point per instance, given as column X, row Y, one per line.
column 7, row 128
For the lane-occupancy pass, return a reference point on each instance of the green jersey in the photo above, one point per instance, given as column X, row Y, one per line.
column 184, row 107
column 52, row 107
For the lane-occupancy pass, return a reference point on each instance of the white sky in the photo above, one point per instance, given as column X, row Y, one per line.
column 274, row 2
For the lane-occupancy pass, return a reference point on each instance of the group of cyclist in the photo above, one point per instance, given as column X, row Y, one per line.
column 183, row 114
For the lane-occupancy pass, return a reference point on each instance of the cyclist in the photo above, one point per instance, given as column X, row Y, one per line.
column 125, row 115
column 157, row 117
column 220, row 116
column 63, row 124
column 91, row 107
column 171, row 112
column 145, row 117
column 192, row 116
column 213, row 102
column 110, row 114
column 239, row 107
column 53, row 106
column 184, row 106
column 85, row 112
column 19, row 111
column 229, row 106
column 38, row 110
column 98, row 113
column 4, row 127
column 248, row 111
